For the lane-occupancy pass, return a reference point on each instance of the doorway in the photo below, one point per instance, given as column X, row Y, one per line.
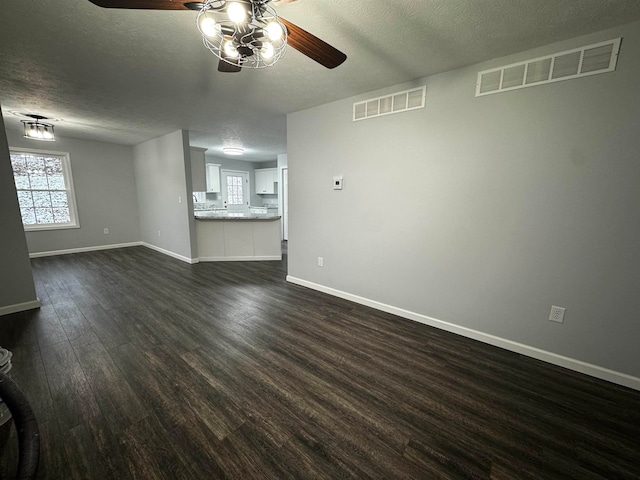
column 285, row 204
column 235, row 191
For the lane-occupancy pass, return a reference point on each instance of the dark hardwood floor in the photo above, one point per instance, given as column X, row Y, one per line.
column 141, row 366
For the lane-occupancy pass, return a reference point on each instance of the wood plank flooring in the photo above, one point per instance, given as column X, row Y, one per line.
column 139, row 366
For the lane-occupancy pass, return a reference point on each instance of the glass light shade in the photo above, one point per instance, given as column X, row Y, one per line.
column 274, row 31
column 208, row 26
column 38, row 131
column 230, row 50
column 267, row 50
column 236, row 12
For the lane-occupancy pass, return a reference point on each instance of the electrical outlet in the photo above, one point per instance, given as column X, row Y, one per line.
column 337, row 182
column 320, row 262
column 158, row 232
column 106, row 231
column 179, row 199
column 557, row 314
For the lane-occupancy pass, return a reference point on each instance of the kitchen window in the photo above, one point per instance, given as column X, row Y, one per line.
column 45, row 189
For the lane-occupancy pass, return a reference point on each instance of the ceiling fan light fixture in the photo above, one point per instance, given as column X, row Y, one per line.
column 238, row 31
column 233, row 150
column 248, row 24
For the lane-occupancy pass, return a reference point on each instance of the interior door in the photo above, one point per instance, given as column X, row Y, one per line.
column 285, row 203
column 235, row 191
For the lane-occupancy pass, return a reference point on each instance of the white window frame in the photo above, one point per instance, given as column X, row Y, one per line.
column 68, row 180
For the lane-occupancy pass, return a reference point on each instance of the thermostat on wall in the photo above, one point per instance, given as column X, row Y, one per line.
column 337, row 183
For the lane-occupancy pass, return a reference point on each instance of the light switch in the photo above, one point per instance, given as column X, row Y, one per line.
column 337, row 183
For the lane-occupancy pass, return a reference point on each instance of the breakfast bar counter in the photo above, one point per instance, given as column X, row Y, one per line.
column 224, row 236
column 263, row 217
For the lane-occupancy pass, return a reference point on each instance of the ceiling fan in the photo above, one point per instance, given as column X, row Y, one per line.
column 243, row 33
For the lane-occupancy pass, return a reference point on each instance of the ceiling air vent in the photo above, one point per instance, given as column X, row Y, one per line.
column 394, row 103
column 589, row 60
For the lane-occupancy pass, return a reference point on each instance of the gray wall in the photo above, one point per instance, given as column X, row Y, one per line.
column 484, row 212
column 105, row 190
column 16, row 279
column 163, row 180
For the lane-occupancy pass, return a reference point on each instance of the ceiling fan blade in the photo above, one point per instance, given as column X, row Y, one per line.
column 312, row 46
column 228, row 67
column 143, row 4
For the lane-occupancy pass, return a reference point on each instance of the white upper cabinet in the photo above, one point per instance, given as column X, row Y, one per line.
column 198, row 181
column 265, row 180
column 213, row 178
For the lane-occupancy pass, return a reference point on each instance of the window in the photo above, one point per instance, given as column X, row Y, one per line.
column 235, row 195
column 45, row 189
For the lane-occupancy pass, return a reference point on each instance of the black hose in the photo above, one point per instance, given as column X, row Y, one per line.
column 26, row 426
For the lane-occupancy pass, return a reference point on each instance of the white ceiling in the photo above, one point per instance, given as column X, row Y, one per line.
column 126, row 76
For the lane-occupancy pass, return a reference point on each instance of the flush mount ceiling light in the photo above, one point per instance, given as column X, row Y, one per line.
column 233, row 150
column 37, row 130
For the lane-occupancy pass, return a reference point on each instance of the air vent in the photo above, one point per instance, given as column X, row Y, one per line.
column 589, row 60
column 394, row 103
column 512, row 77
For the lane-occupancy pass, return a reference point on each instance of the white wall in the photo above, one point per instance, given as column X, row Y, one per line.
column 105, row 190
column 484, row 212
column 17, row 290
column 163, row 184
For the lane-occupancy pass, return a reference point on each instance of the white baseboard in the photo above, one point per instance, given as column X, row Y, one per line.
column 112, row 246
column 84, row 249
column 240, row 259
column 533, row 352
column 170, row 253
column 20, row 307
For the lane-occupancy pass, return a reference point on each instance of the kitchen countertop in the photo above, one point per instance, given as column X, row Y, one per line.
column 234, row 216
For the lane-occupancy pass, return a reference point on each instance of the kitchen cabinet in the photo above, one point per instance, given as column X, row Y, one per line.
column 198, row 175
column 213, row 178
column 265, row 180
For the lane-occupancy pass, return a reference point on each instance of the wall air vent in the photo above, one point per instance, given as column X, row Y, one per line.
column 394, row 103
column 589, row 60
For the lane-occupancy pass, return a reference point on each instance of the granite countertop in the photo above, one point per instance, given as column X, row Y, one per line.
column 216, row 215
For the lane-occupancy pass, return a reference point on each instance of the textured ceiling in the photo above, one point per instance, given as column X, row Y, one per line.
column 126, row 76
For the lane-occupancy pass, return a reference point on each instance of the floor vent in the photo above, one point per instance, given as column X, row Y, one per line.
column 589, row 60
column 394, row 103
